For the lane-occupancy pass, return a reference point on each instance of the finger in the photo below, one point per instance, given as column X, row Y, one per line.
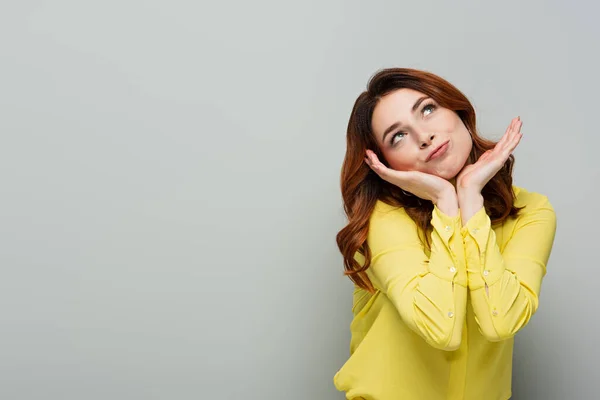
column 509, row 134
column 373, row 167
column 375, row 160
column 369, row 160
column 518, row 125
column 514, row 142
column 516, row 136
column 501, row 143
column 375, row 164
column 370, row 155
column 486, row 156
column 510, row 138
column 511, row 129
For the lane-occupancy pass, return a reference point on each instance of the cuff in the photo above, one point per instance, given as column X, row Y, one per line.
column 446, row 242
column 478, row 227
column 484, row 260
column 444, row 224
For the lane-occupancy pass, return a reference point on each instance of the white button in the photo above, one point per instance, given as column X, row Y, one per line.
column 495, row 313
column 475, row 231
column 448, row 228
column 486, row 272
column 452, row 269
column 450, row 314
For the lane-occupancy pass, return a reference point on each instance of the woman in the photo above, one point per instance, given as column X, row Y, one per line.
column 446, row 255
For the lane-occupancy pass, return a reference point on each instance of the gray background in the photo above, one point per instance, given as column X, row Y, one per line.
column 169, row 190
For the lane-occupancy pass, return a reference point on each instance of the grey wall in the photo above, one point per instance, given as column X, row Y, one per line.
column 169, row 188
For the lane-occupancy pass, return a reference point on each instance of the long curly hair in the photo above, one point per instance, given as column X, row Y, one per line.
column 362, row 187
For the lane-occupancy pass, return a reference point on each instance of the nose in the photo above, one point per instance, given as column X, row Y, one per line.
column 426, row 139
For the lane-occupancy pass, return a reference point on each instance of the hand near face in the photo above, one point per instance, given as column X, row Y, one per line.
column 423, row 185
column 474, row 177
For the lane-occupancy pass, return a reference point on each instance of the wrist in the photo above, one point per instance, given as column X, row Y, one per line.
column 447, row 202
column 468, row 192
column 469, row 201
column 445, row 195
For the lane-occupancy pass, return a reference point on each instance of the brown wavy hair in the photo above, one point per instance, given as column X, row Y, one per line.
column 362, row 187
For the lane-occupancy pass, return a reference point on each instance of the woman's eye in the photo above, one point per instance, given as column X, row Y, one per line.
column 398, row 135
column 429, row 107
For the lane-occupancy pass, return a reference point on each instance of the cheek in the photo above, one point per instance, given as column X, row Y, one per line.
column 449, row 122
column 461, row 136
column 466, row 142
column 400, row 162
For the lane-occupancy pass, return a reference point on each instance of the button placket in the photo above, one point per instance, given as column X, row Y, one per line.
column 449, row 233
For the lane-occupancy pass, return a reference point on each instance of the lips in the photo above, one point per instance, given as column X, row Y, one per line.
column 438, row 151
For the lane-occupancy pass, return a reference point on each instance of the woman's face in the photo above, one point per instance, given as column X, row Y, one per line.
column 409, row 126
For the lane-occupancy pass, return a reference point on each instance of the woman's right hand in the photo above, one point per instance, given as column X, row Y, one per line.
column 426, row 186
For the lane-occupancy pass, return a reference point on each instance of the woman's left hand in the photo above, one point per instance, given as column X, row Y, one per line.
column 475, row 176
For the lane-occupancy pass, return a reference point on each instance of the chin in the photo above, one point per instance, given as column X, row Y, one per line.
column 448, row 177
column 453, row 171
column 447, row 174
column 452, row 174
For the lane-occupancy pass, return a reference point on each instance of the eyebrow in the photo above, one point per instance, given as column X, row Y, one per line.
column 395, row 125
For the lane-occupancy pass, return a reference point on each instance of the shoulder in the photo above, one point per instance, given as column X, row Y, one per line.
column 530, row 200
column 387, row 213
column 390, row 226
column 537, row 210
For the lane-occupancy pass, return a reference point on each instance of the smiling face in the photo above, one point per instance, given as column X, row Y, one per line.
column 409, row 126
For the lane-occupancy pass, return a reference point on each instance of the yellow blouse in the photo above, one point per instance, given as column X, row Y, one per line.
column 441, row 323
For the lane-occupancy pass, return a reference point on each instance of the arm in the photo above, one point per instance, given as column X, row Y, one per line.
column 505, row 287
column 429, row 292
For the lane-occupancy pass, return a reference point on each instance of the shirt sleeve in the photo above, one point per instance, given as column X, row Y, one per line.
column 505, row 286
column 429, row 291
